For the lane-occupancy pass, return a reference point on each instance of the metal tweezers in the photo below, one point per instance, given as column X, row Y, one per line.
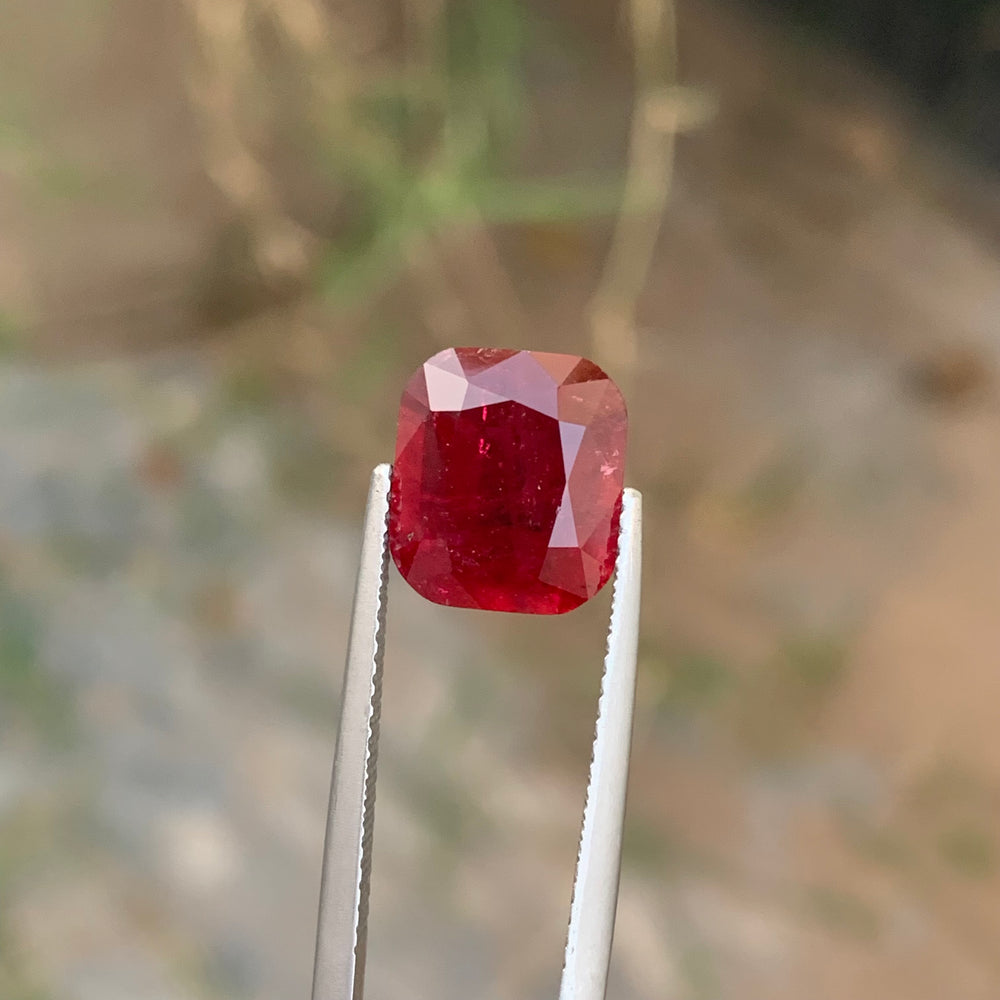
column 347, row 862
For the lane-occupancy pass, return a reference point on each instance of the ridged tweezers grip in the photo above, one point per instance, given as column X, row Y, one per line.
column 341, row 935
column 595, row 890
column 343, row 906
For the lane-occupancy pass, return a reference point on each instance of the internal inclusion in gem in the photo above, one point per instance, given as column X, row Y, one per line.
column 507, row 483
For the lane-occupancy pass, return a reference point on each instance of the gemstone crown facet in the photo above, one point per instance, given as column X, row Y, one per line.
column 507, row 482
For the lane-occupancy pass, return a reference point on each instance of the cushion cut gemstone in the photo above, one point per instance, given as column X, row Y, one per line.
column 507, row 483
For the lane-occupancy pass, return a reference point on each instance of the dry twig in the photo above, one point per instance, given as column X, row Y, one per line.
column 648, row 181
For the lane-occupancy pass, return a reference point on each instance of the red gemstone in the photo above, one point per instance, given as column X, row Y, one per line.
column 506, row 490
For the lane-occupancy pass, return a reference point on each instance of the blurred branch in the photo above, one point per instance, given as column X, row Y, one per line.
column 280, row 246
column 452, row 198
column 408, row 150
column 656, row 118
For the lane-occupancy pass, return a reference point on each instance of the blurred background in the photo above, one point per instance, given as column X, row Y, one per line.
column 230, row 229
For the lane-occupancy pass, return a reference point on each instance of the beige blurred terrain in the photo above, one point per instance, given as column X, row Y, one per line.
column 212, row 286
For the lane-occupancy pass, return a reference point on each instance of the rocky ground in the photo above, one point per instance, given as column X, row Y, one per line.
column 172, row 642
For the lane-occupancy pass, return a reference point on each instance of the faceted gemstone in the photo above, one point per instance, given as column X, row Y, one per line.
column 507, row 484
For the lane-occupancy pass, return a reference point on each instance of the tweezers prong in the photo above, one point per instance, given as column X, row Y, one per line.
column 343, row 907
column 341, row 934
column 595, row 889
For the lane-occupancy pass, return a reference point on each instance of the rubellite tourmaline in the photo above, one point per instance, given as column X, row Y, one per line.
column 507, row 484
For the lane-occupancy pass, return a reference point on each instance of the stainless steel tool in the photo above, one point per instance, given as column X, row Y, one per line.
column 347, row 862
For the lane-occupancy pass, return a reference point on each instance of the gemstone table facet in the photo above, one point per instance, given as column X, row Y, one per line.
column 507, row 483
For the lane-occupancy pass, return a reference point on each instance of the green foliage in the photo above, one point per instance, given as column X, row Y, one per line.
column 51, row 175
column 844, row 913
column 64, row 180
column 249, row 387
column 25, row 689
column 812, row 663
column 949, row 788
column 15, row 140
column 697, row 681
column 650, row 849
column 772, row 704
column 971, row 851
column 309, row 698
column 446, row 811
column 28, row 839
column 425, row 150
column 773, row 490
column 781, row 698
column 485, row 47
column 887, row 846
column 700, row 973
column 11, row 337
column 15, row 983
